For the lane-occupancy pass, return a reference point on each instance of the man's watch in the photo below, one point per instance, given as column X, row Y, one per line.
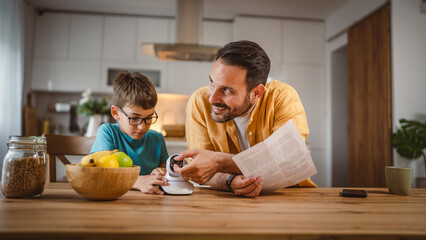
column 229, row 181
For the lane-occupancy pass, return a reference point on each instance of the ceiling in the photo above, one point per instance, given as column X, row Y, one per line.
column 214, row 9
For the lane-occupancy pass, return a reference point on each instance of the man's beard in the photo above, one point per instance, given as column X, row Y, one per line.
column 231, row 114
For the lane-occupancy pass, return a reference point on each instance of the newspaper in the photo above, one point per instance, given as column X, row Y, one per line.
column 282, row 159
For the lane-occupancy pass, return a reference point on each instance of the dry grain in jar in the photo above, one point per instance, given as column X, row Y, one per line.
column 24, row 167
column 27, row 176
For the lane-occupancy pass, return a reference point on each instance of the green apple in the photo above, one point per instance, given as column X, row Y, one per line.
column 123, row 159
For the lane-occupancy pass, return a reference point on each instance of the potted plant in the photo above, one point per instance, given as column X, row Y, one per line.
column 410, row 142
column 93, row 108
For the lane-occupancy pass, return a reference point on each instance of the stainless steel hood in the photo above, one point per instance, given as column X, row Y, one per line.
column 189, row 30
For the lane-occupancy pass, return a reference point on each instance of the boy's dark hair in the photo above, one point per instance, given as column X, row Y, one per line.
column 249, row 55
column 134, row 89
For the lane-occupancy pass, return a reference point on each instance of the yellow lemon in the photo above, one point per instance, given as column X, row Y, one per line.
column 109, row 161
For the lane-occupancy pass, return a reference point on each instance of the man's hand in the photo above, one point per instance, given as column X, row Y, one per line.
column 150, row 183
column 203, row 166
column 247, row 187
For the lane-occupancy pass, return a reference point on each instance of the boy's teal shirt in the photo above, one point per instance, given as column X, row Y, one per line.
column 148, row 152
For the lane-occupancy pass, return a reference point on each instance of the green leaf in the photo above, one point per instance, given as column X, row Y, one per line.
column 410, row 140
column 94, row 106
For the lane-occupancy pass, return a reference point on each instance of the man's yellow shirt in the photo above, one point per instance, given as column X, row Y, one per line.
column 278, row 104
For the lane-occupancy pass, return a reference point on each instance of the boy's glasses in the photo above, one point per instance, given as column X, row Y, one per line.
column 135, row 121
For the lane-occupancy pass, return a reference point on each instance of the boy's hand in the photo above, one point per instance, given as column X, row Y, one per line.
column 150, row 184
column 159, row 172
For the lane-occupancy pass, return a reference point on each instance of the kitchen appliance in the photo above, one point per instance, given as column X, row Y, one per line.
column 189, row 30
column 177, row 184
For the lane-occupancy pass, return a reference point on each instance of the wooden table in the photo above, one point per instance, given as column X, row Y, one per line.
column 207, row 214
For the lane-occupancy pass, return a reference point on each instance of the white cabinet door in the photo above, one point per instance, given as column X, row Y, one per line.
column 65, row 75
column 85, row 37
column 51, row 35
column 265, row 32
column 217, row 33
column 152, row 30
column 186, row 77
column 309, row 82
column 303, row 42
column 120, row 39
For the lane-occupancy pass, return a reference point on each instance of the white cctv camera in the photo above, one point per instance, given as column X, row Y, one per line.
column 177, row 184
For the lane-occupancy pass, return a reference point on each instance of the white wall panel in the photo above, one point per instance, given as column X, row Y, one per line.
column 186, row 77
column 120, row 39
column 65, row 75
column 318, row 157
column 309, row 82
column 217, row 33
column 51, row 35
column 303, row 42
column 85, row 37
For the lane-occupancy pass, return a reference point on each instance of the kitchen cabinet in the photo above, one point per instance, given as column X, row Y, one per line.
column 65, row 75
column 186, row 77
column 309, row 82
column 67, row 52
column 303, row 42
column 303, row 67
column 217, row 33
column 85, row 38
column 265, row 32
column 52, row 35
column 84, row 48
column 119, row 41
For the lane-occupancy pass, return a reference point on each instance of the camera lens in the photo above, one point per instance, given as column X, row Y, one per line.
column 173, row 162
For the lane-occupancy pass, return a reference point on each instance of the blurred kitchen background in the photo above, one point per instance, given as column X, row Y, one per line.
column 54, row 50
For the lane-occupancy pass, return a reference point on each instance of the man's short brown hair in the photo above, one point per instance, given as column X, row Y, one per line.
column 248, row 55
column 134, row 89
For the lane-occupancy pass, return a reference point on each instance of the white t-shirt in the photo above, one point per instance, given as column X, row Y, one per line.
column 241, row 124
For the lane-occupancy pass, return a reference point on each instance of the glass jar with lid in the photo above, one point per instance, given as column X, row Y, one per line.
column 24, row 167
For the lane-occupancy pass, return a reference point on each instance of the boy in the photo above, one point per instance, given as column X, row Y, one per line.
column 134, row 100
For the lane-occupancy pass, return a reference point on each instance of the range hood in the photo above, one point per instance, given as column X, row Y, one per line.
column 189, row 30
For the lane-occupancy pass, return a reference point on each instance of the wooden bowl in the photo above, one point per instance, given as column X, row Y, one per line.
column 96, row 183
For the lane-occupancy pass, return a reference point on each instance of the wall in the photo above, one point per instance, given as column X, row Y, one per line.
column 332, row 47
column 408, row 69
column 339, row 117
column 349, row 14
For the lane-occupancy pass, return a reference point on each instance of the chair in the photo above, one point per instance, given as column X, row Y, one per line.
column 61, row 145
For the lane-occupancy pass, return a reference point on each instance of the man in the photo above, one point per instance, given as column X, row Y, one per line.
column 237, row 110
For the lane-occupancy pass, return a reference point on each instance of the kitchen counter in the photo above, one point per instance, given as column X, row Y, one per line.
column 175, row 145
column 291, row 213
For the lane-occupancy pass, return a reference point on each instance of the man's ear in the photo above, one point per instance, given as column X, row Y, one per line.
column 114, row 112
column 257, row 92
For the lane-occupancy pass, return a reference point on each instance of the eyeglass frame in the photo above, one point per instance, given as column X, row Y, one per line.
column 154, row 118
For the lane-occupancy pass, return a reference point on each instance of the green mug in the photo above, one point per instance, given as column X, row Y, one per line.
column 398, row 179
